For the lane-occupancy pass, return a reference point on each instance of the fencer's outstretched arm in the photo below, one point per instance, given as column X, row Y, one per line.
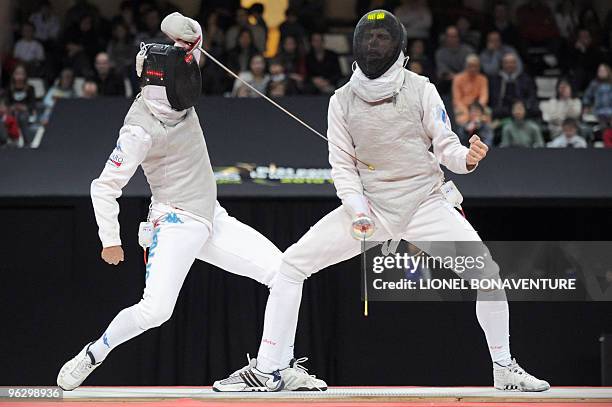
column 184, row 31
column 132, row 147
column 349, row 187
column 446, row 145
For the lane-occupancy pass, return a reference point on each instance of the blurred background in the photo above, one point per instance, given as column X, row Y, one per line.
column 531, row 78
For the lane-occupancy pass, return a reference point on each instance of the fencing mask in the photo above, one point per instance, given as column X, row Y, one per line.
column 378, row 40
column 174, row 69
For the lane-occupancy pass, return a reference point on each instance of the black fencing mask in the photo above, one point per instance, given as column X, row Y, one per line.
column 378, row 40
column 176, row 70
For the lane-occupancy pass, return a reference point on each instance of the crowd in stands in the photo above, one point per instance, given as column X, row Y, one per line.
column 519, row 74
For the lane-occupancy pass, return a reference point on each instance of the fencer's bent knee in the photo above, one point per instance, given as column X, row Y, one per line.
column 153, row 314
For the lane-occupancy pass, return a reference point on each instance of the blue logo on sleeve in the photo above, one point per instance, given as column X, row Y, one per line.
column 105, row 340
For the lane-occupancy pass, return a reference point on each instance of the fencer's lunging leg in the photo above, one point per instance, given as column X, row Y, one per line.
column 176, row 242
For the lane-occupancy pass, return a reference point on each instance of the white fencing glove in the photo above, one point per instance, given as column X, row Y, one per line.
column 185, row 31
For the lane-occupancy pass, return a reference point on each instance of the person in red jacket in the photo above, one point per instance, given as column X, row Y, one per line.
column 9, row 130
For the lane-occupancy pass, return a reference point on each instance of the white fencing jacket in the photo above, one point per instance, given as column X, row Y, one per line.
column 393, row 129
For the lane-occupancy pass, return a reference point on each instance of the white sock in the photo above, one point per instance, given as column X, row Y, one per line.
column 494, row 318
column 280, row 324
column 121, row 329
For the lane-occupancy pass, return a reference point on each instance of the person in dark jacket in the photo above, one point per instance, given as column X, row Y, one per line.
column 509, row 86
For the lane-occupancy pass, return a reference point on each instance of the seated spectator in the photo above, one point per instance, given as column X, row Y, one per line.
column 491, row 56
column 292, row 27
column 255, row 13
column 416, row 67
column 89, row 90
column 214, row 35
column 561, row 107
column 569, row 136
column 467, row 34
column 239, row 58
column 417, row 54
column 292, row 58
column 416, row 17
column 322, row 66
column 536, row 23
column 9, row 129
column 28, row 50
column 46, row 24
column 109, row 82
column 121, row 49
column 510, row 85
column 598, row 97
column 583, row 60
column 280, row 84
column 450, row 58
column 63, row 88
column 126, row 17
column 476, row 125
column 468, row 87
column 256, row 76
column 521, row 132
column 502, row 23
column 566, row 18
column 258, row 34
column 152, row 31
column 22, row 101
column 82, row 43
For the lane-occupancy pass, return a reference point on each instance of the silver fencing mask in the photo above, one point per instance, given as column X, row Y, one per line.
column 176, row 70
column 379, row 37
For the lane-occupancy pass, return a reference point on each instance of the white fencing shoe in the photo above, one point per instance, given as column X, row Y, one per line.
column 250, row 379
column 76, row 370
column 514, row 378
column 296, row 378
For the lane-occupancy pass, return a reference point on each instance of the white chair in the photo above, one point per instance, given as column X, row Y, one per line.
column 39, row 87
column 546, row 87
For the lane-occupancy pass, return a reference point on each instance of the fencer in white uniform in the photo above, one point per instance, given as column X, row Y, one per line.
column 162, row 133
column 389, row 118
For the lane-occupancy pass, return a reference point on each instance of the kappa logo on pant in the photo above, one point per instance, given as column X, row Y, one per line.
column 172, row 218
column 151, row 253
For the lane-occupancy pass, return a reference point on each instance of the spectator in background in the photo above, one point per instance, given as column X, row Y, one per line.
column 292, row 27
column 9, row 129
column 322, row 66
column 566, row 19
column 109, row 82
column 89, row 90
column 152, row 31
column 292, row 58
column 509, row 86
column 467, row 35
column 82, row 43
column 22, row 101
column 213, row 35
column 562, row 106
column 590, row 22
column 280, row 84
column 256, row 76
column 256, row 12
column 28, row 50
column 598, row 96
column 503, row 25
column 46, row 24
column 63, row 88
column 569, row 136
column 521, row 132
column 450, row 57
column 417, row 54
column 239, row 58
column 258, row 34
column 468, row 87
column 537, row 23
column 583, row 60
column 416, row 17
column 121, row 49
column 491, row 56
column 126, row 17
column 416, row 67
column 81, row 8
column 476, row 124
